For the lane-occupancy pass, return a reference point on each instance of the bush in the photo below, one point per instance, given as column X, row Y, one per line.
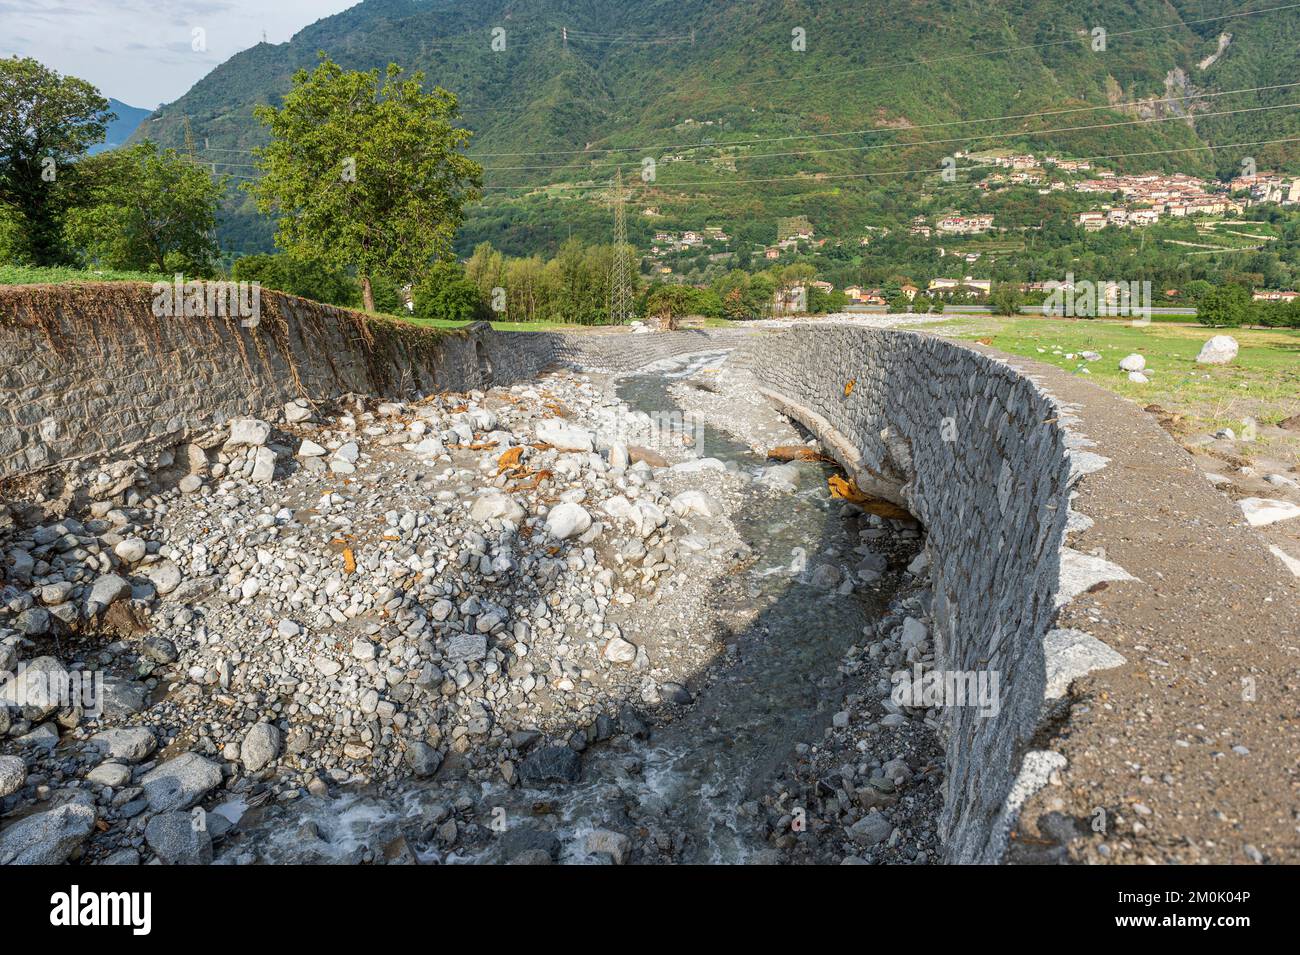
column 447, row 294
column 1276, row 314
column 1005, row 300
column 1224, row 306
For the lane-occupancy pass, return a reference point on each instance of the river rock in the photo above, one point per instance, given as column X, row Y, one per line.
column 48, row 838
column 34, row 622
column 247, row 432
column 606, row 842
column 129, row 743
column 496, row 506
column 619, row 650
column 131, row 550
column 872, row 829
column 567, row 520
column 1219, row 350
column 423, row 759
column 551, row 764
column 113, row 775
column 105, row 592
column 260, row 747
column 13, row 773
column 563, row 436
column 1264, row 510
column 696, row 502
column 263, row 466
column 180, row 783
column 38, row 690
column 165, row 577
column 466, row 647
column 177, row 840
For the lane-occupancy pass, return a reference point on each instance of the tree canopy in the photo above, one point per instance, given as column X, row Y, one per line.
column 47, row 122
column 365, row 172
column 153, row 209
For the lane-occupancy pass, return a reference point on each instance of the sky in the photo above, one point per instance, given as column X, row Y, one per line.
column 148, row 52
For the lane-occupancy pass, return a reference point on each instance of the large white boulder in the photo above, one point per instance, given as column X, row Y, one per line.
column 498, row 506
column 1219, row 350
column 1265, row 510
column 563, row 436
column 567, row 520
column 1133, row 362
column 248, row 432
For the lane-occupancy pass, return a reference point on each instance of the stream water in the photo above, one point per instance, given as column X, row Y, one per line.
column 700, row 776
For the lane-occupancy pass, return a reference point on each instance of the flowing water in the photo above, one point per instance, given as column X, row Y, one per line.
column 700, row 776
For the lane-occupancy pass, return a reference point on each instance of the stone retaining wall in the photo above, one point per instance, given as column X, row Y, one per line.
column 979, row 455
column 88, row 373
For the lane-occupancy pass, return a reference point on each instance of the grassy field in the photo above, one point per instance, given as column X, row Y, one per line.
column 1263, row 382
column 27, row 275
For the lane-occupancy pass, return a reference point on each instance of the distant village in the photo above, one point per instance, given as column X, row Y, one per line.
column 1146, row 198
column 1131, row 201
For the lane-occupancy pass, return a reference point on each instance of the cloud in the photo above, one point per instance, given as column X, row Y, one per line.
column 146, row 52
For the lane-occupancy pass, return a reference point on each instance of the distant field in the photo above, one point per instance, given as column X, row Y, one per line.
column 1263, row 381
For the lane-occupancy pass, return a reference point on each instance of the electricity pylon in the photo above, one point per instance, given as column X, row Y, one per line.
column 622, row 287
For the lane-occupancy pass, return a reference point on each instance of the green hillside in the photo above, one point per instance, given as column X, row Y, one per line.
column 679, row 80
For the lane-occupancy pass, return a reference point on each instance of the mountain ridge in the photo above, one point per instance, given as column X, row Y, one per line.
column 692, row 72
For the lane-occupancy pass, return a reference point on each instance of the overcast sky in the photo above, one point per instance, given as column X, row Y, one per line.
column 143, row 52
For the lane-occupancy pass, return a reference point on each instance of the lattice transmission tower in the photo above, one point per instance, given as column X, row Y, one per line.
column 622, row 277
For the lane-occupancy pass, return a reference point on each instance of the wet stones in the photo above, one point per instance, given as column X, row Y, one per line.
column 180, row 783
column 550, row 764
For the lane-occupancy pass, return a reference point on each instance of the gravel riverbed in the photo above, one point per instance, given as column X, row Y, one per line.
column 534, row 624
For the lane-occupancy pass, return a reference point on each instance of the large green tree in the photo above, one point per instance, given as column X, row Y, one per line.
column 1226, row 305
column 150, row 209
column 366, row 172
column 47, row 121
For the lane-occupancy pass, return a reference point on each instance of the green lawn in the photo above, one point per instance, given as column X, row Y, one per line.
column 1263, row 381
column 30, row 275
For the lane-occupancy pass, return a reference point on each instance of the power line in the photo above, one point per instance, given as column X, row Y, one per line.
column 823, row 177
column 875, row 130
column 1018, row 134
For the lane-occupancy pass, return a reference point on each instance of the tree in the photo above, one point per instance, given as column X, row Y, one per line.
column 47, row 122
column 1005, row 300
column 446, row 294
column 364, row 173
column 149, row 210
column 1224, row 305
column 667, row 304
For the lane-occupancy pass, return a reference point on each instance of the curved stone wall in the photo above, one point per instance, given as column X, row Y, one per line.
column 979, row 455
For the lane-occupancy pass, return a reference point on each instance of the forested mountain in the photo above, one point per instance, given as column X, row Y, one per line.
column 670, row 78
column 123, row 127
